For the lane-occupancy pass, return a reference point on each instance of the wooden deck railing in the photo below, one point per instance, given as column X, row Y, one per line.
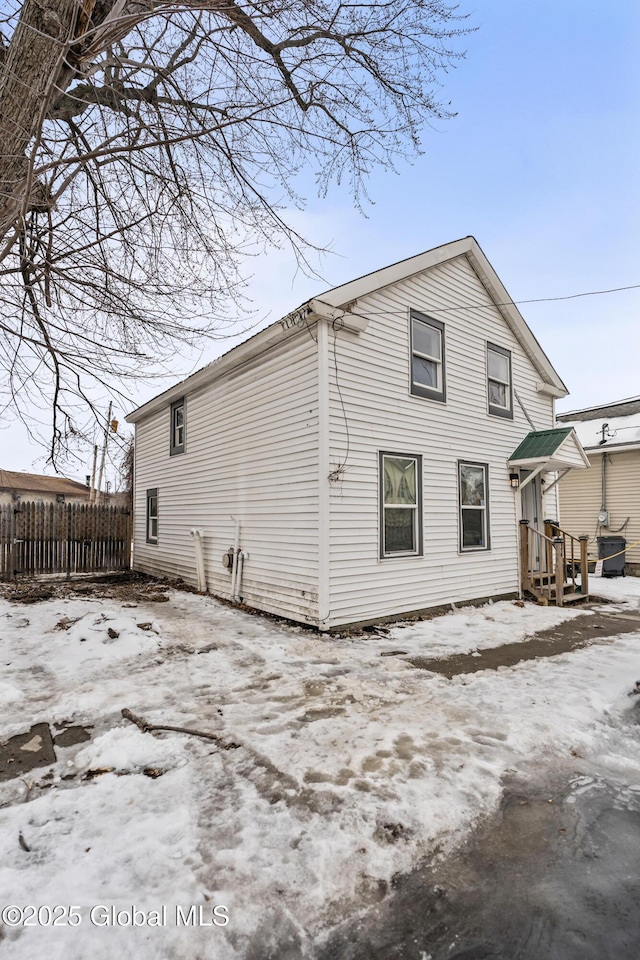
column 550, row 562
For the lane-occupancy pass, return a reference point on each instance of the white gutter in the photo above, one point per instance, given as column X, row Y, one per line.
column 620, row 448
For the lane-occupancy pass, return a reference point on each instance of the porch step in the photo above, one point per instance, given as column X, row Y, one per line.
column 574, row 597
column 543, row 594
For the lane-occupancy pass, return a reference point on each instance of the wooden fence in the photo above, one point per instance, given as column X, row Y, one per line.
column 37, row 538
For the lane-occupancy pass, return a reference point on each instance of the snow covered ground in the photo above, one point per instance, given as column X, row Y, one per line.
column 352, row 765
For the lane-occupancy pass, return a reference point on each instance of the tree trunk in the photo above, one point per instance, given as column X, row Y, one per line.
column 35, row 59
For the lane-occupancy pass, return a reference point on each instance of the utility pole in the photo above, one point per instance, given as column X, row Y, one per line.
column 92, row 489
column 104, row 451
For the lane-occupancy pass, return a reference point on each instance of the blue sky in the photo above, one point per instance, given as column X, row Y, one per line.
column 540, row 165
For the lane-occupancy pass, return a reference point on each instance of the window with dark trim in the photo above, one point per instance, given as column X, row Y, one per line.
column 473, row 494
column 177, row 427
column 428, row 375
column 152, row 515
column 499, row 385
column 400, row 505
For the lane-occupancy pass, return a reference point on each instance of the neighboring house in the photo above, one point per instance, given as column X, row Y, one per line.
column 605, row 500
column 32, row 487
column 351, row 462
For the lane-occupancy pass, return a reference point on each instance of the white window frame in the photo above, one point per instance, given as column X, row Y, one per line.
column 418, row 389
column 495, row 409
column 416, row 508
column 178, row 431
column 152, row 536
column 483, row 508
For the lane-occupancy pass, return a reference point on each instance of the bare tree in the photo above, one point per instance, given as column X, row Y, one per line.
column 145, row 144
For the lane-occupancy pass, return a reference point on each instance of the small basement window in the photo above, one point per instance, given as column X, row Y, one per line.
column 177, row 427
column 499, row 386
column 427, row 357
column 400, row 505
column 474, row 505
column 152, row 515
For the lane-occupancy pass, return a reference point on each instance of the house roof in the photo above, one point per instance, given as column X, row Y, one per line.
column 341, row 303
column 34, row 483
column 609, row 426
column 555, row 449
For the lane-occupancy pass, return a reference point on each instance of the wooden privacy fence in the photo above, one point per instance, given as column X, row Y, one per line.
column 65, row 538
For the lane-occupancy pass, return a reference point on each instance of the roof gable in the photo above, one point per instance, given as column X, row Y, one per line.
column 338, row 303
column 347, row 294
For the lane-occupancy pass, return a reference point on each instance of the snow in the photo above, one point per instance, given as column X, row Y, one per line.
column 351, row 767
column 620, row 430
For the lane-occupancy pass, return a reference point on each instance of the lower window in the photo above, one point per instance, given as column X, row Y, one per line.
column 152, row 515
column 400, row 505
column 474, row 505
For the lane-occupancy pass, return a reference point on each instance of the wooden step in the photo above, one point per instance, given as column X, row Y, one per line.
column 574, row 597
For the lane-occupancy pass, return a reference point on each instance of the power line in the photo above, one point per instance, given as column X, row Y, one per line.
column 506, row 303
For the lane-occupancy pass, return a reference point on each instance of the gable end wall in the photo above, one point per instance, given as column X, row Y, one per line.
column 380, row 414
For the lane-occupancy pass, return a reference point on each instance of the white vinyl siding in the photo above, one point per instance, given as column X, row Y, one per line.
column 378, row 414
column 252, row 454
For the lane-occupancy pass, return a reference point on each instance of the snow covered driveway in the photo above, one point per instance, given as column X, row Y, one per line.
column 352, row 766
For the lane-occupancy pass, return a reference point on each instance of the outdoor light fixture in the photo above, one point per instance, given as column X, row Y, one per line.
column 514, row 480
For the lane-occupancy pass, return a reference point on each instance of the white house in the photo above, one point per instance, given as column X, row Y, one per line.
column 351, row 462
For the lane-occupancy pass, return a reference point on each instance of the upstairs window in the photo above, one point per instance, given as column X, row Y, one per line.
column 152, row 515
column 427, row 357
column 499, row 385
column 400, row 505
column 177, row 427
column 474, row 506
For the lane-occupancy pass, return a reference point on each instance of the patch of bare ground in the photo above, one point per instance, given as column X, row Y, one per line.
column 580, row 631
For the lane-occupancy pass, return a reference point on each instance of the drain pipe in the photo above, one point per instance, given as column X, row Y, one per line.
column 197, row 542
column 234, row 568
column 241, row 558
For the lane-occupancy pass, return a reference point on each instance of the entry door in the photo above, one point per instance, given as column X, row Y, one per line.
column 532, row 511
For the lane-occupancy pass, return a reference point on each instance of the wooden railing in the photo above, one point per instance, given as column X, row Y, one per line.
column 550, row 562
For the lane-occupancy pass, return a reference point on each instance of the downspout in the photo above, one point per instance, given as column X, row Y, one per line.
column 241, row 559
column 234, row 569
column 197, row 542
column 603, row 508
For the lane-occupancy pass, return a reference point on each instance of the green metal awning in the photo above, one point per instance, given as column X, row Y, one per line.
column 554, row 450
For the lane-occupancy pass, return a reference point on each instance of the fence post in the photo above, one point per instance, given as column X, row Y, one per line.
column 69, row 542
column 13, row 531
column 584, row 566
column 524, row 555
column 558, row 543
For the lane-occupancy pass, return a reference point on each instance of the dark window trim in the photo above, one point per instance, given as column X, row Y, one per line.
column 493, row 410
column 418, row 389
column 152, row 492
column 487, row 508
column 175, row 448
column 420, row 545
